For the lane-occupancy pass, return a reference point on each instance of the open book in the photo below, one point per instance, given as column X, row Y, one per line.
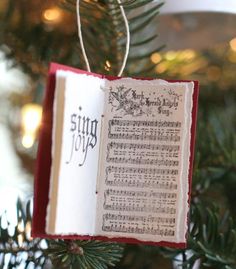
column 115, row 158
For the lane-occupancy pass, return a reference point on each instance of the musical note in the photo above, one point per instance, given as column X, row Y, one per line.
column 127, row 193
column 144, row 136
column 141, row 176
column 130, row 146
column 134, row 123
column 141, row 161
column 129, row 229
column 134, row 170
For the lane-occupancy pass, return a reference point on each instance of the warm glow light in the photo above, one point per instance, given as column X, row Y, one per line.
column 107, row 65
column 192, row 67
column 187, row 54
column 156, row 58
column 28, row 231
column 20, row 226
column 171, row 55
column 232, row 56
column 233, row 44
column 213, row 73
column 28, row 141
column 20, row 240
column 182, row 55
column 31, row 118
column 161, row 68
column 52, row 14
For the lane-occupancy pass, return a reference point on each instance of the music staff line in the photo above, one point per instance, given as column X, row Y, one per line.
column 142, row 161
column 167, row 195
column 133, row 170
column 130, row 146
column 133, row 123
column 137, row 230
column 144, row 136
column 145, row 219
column 138, row 184
column 148, row 209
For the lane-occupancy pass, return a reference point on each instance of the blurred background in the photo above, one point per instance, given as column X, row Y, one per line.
column 197, row 46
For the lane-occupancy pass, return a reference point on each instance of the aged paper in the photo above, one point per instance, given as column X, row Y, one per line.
column 142, row 186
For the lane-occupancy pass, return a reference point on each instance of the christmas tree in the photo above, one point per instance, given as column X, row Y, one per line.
column 34, row 34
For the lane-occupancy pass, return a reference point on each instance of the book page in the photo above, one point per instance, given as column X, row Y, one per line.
column 78, row 108
column 143, row 180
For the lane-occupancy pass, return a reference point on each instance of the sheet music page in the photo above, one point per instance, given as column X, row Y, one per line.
column 142, row 189
column 78, row 108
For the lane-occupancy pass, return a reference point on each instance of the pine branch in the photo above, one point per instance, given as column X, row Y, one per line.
column 32, row 46
column 212, row 240
column 216, row 154
column 84, row 254
column 87, row 254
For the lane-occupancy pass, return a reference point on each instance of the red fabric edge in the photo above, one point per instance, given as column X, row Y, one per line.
column 43, row 163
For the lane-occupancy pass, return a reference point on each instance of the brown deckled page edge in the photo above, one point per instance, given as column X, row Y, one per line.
column 43, row 164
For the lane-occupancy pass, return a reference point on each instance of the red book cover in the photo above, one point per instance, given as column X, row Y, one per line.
column 44, row 162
